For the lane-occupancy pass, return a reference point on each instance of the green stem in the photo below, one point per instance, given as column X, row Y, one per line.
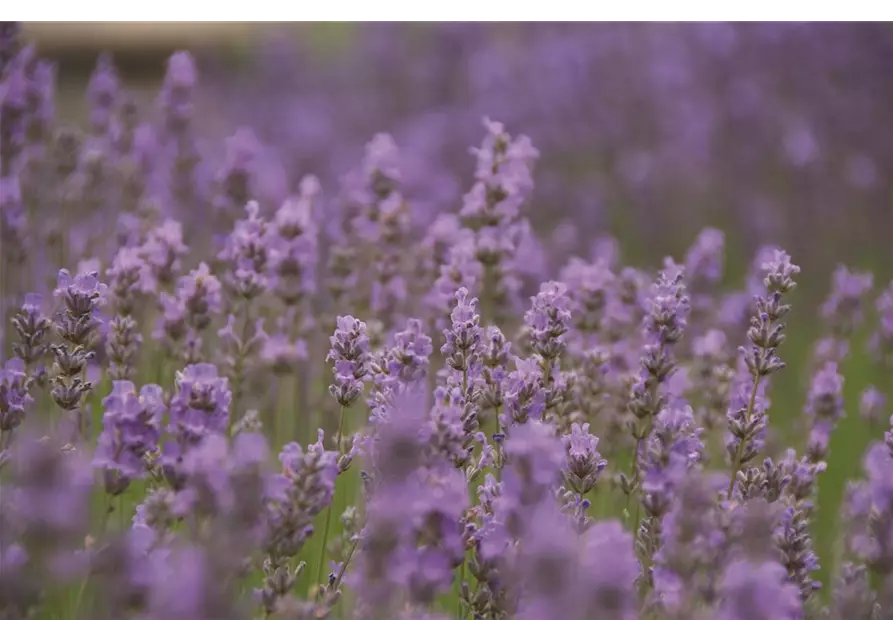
column 325, row 531
column 460, row 614
column 83, row 586
column 340, row 576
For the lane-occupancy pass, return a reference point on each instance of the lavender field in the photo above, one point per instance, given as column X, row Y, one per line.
column 451, row 321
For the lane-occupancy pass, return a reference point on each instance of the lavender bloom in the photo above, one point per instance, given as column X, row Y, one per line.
column 123, row 343
column 825, row 408
column 747, row 422
column 303, row 489
column 870, row 512
column 882, row 339
column 795, row 542
column 350, row 355
column 187, row 313
column 565, row 578
column 281, row 354
column 692, row 545
column 664, row 326
column 412, row 538
column 131, row 429
column 704, row 260
column 389, row 286
column 608, row 584
column 239, row 349
column 757, row 591
column 842, row 311
column 589, row 287
column 454, row 426
column 853, row 598
column 524, row 393
column 583, row 463
column 176, row 97
column 459, row 270
column 420, row 509
column 549, row 320
column 712, row 377
column 44, row 509
column 871, row 406
column 495, row 355
column 190, row 582
column 246, row 254
column 200, row 407
column 78, row 324
column 235, row 177
column 464, row 338
column 407, row 360
column 102, row 95
column 163, row 249
column 225, row 482
column 491, row 209
column 82, row 297
column 292, row 244
column 32, row 329
column 672, row 448
column 381, row 228
column 130, row 276
column 14, row 397
column 534, row 459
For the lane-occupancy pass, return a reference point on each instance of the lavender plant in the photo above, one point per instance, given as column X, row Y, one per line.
column 605, row 454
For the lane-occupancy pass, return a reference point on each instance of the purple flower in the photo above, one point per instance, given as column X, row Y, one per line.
column 407, row 360
column 82, row 295
column 882, row 339
column 609, row 572
column 201, row 405
column 757, row 590
column 825, row 408
column 163, row 249
column 130, row 276
column 176, row 99
column 549, row 320
column 189, row 311
column 704, row 259
column 350, row 354
column 32, row 329
column 871, row 405
column 583, row 463
column 14, row 396
column 463, row 339
column 102, row 94
column 224, row 481
column 45, row 504
column 131, row 429
column 246, row 253
column 302, row 489
column 292, row 242
column 589, row 285
column 842, row 310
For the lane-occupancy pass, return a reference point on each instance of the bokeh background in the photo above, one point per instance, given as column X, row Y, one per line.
column 773, row 133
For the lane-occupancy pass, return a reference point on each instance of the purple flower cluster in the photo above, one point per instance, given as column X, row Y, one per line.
column 603, row 453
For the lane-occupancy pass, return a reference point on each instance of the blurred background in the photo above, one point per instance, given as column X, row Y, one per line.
column 774, row 133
